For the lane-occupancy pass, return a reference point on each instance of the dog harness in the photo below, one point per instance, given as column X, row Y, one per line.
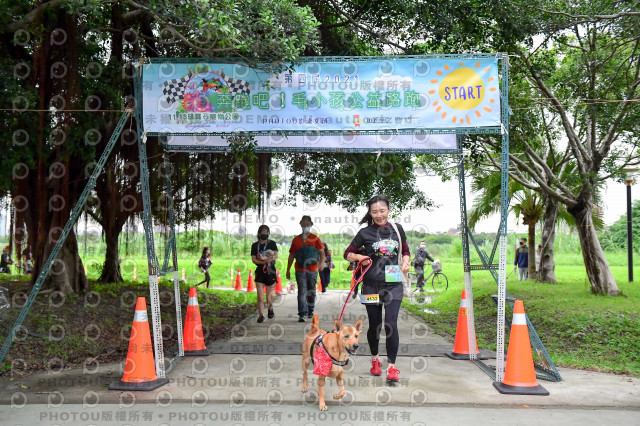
column 322, row 359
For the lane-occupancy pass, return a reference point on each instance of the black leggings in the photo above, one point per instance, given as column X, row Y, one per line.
column 374, row 312
column 207, row 278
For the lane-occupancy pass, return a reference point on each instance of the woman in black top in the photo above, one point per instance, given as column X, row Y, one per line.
column 264, row 253
column 382, row 284
column 204, row 263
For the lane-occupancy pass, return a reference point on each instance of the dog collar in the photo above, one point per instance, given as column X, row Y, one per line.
column 318, row 341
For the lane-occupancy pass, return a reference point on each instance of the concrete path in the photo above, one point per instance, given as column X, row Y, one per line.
column 258, row 370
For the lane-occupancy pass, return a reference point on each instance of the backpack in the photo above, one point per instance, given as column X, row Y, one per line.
column 307, row 256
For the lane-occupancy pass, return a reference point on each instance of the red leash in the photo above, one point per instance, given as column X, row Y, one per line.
column 357, row 280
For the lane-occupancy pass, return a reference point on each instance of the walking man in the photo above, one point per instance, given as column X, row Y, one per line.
column 308, row 252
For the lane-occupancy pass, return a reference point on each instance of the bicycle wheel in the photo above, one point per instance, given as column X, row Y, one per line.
column 439, row 282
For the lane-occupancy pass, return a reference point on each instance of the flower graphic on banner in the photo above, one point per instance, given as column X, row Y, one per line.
column 462, row 91
column 202, row 91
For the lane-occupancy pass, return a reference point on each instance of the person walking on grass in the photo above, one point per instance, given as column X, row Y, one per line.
column 204, row 264
column 264, row 253
column 522, row 260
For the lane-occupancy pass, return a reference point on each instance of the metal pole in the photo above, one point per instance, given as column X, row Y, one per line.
column 73, row 217
column 147, row 221
column 466, row 258
column 629, row 232
column 174, row 251
column 504, row 206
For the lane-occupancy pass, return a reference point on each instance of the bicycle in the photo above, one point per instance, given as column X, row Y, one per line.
column 439, row 282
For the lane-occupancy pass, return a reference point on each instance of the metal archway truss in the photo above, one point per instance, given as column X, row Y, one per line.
column 545, row 370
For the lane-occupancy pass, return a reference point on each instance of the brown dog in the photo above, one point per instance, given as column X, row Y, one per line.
column 339, row 344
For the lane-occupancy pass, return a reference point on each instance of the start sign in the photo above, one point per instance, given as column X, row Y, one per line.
column 398, row 95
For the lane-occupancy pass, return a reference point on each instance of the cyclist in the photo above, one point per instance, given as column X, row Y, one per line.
column 418, row 263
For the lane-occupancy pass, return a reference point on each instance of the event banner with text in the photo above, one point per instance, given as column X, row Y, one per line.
column 401, row 95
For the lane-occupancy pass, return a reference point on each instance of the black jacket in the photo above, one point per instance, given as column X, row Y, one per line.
column 420, row 256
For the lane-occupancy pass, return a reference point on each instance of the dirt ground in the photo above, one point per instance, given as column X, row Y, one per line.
column 61, row 333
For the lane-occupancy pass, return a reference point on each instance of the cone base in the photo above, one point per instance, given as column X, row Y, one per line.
column 203, row 352
column 457, row 356
column 520, row 390
column 142, row 386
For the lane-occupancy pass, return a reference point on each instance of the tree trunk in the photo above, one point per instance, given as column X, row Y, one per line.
column 547, row 270
column 11, row 233
column 20, row 237
column 595, row 262
column 67, row 271
column 532, row 248
column 111, row 268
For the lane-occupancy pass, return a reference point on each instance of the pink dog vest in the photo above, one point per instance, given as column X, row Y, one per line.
column 321, row 359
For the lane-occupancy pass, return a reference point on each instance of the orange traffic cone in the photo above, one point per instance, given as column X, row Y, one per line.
column 520, row 374
column 238, row 281
column 319, row 286
column 278, row 283
column 461, row 344
column 139, row 368
column 135, row 273
column 250, row 285
column 192, row 339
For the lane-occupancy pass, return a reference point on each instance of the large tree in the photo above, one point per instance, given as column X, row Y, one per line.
column 65, row 74
column 585, row 74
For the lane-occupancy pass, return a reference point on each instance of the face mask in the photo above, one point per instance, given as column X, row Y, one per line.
column 422, row 246
column 264, row 236
column 306, row 229
column 521, row 243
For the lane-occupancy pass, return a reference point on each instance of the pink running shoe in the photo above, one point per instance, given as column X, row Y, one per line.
column 392, row 374
column 376, row 368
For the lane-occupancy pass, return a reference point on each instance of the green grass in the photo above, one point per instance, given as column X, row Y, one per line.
column 577, row 328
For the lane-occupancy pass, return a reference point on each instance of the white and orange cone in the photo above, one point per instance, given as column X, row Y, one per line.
column 250, row 285
column 238, row 281
column 520, row 374
column 461, row 344
column 192, row 338
column 279, row 289
column 139, row 368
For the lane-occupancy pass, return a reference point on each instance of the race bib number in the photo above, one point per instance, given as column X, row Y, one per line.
column 370, row 299
column 392, row 273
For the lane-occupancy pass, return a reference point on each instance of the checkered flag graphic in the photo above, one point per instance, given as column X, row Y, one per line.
column 236, row 85
column 173, row 90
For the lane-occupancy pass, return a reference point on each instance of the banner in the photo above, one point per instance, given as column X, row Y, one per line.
column 385, row 95
column 315, row 142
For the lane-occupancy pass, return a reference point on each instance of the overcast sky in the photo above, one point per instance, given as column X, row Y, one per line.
column 333, row 219
column 445, row 216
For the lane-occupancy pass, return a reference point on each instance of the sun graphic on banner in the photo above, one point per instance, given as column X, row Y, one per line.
column 461, row 91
